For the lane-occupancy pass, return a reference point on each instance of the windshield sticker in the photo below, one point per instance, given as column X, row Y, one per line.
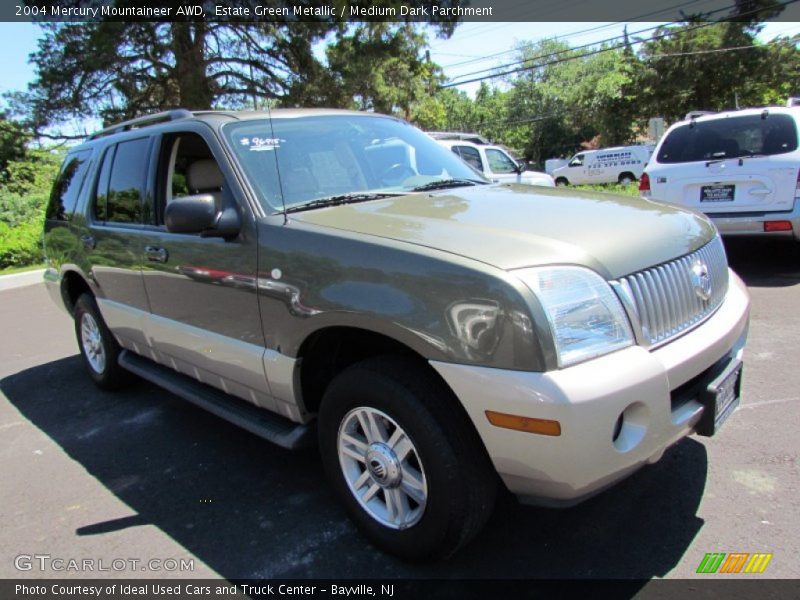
column 260, row 144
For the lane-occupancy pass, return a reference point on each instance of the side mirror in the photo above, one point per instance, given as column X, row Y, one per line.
column 199, row 214
column 522, row 166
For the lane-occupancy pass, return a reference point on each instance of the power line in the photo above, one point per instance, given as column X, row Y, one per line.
column 580, row 32
column 592, row 53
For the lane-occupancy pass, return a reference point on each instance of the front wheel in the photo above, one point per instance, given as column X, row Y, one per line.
column 407, row 464
column 99, row 350
column 626, row 179
column 561, row 182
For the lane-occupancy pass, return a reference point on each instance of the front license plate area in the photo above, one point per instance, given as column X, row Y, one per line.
column 717, row 193
column 720, row 399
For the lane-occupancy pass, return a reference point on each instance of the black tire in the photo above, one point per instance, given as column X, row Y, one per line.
column 626, row 178
column 110, row 375
column 562, row 181
column 461, row 481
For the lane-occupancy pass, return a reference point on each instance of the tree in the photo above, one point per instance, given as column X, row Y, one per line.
column 115, row 70
column 373, row 66
column 690, row 67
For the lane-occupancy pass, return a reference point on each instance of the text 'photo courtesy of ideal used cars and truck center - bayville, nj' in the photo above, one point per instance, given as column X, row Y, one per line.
column 399, row 299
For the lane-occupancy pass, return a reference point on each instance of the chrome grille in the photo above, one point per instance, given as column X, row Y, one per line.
column 664, row 299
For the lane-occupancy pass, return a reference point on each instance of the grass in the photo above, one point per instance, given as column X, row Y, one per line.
column 612, row 188
column 12, row 270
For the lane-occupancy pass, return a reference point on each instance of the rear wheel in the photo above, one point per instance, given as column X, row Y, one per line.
column 407, row 464
column 99, row 349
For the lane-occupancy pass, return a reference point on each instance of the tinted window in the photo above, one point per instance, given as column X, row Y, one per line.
column 65, row 190
column 469, row 154
column 101, row 192
column 729, row 137
column 499, row 162
column 128, row 176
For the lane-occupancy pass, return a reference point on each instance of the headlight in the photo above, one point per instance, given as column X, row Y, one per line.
column 585, row 316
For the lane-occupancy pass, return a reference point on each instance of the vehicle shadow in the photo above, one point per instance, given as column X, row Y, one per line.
column 249, row 509
column 763, row 262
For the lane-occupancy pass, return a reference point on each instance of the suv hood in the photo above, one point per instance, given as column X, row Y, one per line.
column 519, row 226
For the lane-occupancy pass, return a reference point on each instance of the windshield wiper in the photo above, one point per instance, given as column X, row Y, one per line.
column 339, row 199
column 443, row 184
column 749, row 155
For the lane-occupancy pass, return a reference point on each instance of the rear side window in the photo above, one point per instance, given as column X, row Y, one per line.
column 120, row 186
column 730, row 138
column 65, row 192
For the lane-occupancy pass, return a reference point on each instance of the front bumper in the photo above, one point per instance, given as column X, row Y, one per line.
column 588, row 399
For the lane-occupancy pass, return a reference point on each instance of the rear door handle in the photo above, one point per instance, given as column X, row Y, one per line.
column 88, row 242
column 156, row 254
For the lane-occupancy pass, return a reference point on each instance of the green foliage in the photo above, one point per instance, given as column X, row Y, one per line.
column 12, row 144
column 612, row 188
column 21, row 245
column 16, row 210
column 32, row 173
column 376, row 66
column 25, row 185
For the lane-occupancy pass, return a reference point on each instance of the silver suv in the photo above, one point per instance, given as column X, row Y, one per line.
column 340, row 276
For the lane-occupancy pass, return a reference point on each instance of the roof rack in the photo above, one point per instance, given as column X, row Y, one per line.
column 458, row 135
column 697, row 113
column 144, row 121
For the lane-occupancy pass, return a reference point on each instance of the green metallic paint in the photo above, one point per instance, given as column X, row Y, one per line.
column 517, row 226
column 444, row 307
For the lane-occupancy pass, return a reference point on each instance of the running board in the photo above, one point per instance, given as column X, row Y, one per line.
column 259, row 421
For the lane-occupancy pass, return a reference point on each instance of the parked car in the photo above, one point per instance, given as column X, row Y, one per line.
column 551, row 164
column 741, row 168
column 341, row 276
column 495, row 162
column 622, row 165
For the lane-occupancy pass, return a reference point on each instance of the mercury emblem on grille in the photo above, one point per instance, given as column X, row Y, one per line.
column 701, row 280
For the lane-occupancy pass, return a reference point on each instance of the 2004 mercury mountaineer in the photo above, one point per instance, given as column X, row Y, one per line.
column 341, row 272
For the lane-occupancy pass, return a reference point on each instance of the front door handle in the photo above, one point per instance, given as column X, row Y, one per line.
column 88, row 242
column 156, row 254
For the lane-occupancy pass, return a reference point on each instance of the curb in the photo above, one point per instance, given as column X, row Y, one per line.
column 17, row 280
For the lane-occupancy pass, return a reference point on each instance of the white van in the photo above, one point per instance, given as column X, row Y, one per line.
column 623, row 164
column 738, row 167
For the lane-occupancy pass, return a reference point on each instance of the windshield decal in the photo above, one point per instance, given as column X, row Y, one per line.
column 260, row 144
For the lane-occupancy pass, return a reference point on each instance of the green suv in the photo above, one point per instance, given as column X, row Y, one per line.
column 340, row 275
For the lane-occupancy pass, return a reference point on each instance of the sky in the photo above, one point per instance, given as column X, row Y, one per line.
column 473, row 46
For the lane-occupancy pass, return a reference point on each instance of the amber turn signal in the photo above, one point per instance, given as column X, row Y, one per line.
column 527, row 424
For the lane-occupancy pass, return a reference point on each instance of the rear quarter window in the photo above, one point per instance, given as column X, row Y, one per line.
column 729, row 138
column 67, row 186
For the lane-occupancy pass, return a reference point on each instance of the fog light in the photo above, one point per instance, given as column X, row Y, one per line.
column 777, row 225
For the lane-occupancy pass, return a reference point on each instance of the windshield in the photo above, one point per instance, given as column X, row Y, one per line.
column 731, row 137
column 297, row 160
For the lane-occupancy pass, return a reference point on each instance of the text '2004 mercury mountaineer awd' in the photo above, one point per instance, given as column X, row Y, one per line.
column 342, row 273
